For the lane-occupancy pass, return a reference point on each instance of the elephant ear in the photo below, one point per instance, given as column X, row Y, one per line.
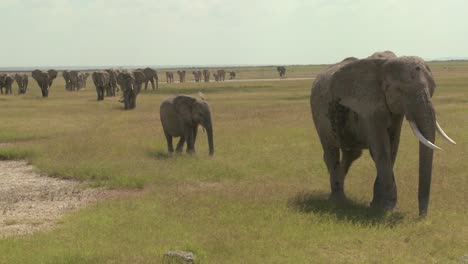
column 184, row 105
column 358, row 86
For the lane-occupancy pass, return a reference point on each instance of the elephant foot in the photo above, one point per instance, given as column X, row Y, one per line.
column 338, row 197
column 386, row 204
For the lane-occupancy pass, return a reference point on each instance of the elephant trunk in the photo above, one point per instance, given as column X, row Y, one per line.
column 209, row 132
column 423, row 122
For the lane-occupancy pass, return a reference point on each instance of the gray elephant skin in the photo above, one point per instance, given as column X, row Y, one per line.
column 44, row 80
column 180, row 116
column 6, row 82
column 360, row 104
column 22, row 80
column 281, row 71
column 101, row 80
column 152, row 77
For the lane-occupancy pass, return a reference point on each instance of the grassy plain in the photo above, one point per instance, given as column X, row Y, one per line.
column 262, row 198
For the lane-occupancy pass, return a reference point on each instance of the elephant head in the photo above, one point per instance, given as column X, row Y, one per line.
column 130, row 83
column 366, row 101
column 43, row 80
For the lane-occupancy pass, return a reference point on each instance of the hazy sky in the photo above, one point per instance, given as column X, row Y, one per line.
column 207, row 32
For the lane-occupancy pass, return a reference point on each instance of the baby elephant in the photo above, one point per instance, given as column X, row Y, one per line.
column 180, row 117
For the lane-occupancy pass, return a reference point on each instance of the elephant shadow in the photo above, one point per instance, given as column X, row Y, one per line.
column 346, row 211
column 159, row 155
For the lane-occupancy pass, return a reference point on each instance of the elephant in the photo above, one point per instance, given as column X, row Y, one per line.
column 44, row 80
column 197, row 75
column 382, row 55
column 232, row 75
column 281, row 71
column 216, row 76
column 169, row 77
column 82, row 79
column 22, row 80
column 52, row 75
column 130, row 83
column 112, row 88
column 6, row 82
column 66, row 76
column 221, row 75
column 180, row 116
column 101, row 80
column 151, row 76
column 181, row 76
column 360, row 104
column 206, row 75
column 74, row 80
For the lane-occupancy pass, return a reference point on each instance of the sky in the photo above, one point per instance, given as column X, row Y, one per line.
column 215, row 32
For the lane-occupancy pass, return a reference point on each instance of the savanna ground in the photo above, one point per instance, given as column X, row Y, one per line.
column 262, row 198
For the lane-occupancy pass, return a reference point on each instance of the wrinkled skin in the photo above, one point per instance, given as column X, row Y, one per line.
column 206, row 75
column 101, row 80
column 22, row 80
column 232, row 75
column 180, row 116
column 43, row 79
column 169, row 77
column 281, row 71
column 130, row 83
column 360, row 104
column 221, row 75
column 6, row 82
column 152, row 77
column 181, row 76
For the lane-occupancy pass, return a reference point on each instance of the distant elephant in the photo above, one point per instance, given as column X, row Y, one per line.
column 361, row 103
column 67, row 78
column 215, row 75
column 22, row 80
column 74, row 80
column 281, row 71
column 232, row 75
column 197, row 75
column 180, row 116
column 169, row 77
column 383, row 55
column 181, row 76
column 151, row 76
column 52, row 75
column 6, row 82
column 221, row 75
column 101, row 80
column 131, row 84
column 112, row 88
column 206, row 75
column 82, row 78
column 44, row 80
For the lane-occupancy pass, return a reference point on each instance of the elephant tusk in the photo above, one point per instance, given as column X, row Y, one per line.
column 442, row 133
column 421, row 138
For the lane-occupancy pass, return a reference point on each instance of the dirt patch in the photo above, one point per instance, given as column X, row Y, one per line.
column 30, row 202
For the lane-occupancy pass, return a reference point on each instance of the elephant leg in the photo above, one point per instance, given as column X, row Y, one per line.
column 180, row 145
column 170, row 147
column 152, row 84
column 348, row 156
column 194, row 132
column 332, row 160
column 189, row 137
column 146, row 85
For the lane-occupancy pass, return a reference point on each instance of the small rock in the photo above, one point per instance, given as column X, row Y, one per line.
column 178, row 256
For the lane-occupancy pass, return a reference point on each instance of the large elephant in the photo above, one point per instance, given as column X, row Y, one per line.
column 112, row 88
column 151, row 76
column 101, row 80
column 6, row 82
column 74, row 76
column 180, row 116
column 281, row 71
column 360, row 104
column 130, row 83
column 181, row 76
column 52, row 75
column 22, row 80
column 44, row 80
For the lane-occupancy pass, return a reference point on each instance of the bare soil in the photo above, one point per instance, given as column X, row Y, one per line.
column 30, row 202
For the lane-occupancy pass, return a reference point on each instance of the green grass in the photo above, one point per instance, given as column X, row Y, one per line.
column 262, row 198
